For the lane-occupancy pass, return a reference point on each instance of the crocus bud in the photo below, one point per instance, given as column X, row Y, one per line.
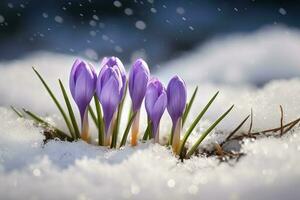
column 82, row 85
column 115, row 62
column 176, row 92
column 109, row 91
column 138, row 81
column 155, row 103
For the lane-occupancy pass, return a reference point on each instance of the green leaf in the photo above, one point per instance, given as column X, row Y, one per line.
column 189, row 106
column 125, row 134
column 17, row 111
column 118, row 120
column 147, row 133
column 195, row 122
column 99, row 121
column 195, row 146
column 38, row 119
column 56, row 102
column 93, row 115
column 70, row 110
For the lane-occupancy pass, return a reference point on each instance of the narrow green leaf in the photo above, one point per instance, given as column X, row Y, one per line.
column 125, row 134
column 70, row 110
column 99, row 122
column 93, row 115
column 117, row 126
column 68, row 123
column 147, row 133
column 189, row 106
column 17, row 111
column 38, row 119
column 195, row 122
column 118, row 120
column 130, row 113
column 196, row 145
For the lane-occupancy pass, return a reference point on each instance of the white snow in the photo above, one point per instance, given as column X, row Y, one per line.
column 242, row 58
column 61, row 170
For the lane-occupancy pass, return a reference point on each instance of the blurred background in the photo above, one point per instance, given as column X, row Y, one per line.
column 157, row 30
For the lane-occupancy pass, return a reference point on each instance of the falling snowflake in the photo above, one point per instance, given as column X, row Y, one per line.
column 95, row 17
column 140, row 25
column 10, row 5
column 45, row 15
column 93, row 33
column 2, row 19
column 58, row 19
column 128, row 11
column 118, row 4
column 282, row 11
column 93, row 23
column 180, row 10
column 153, row 10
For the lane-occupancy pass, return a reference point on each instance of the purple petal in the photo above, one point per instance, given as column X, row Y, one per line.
column 158, row 110
column 155, row 102
column 150, row 98
column 82, row 84
column 177, row 96
column 110, row 100
column 138, row 81
column 73, row 75
column 115, row 63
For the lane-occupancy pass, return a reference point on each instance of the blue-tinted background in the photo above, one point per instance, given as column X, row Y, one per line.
column 157, row 30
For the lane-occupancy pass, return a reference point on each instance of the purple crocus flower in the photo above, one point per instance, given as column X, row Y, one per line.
column 110, row 93
column 155, row 103
column 176, row 92
column 82, row 85
column 138, row 81
column 116, row 62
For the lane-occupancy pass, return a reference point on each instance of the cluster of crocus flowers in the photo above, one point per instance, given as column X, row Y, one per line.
column 108, row 88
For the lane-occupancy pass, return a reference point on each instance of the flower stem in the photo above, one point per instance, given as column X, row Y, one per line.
column 85, row 127
column 125, row 134
column 156, row 139
column 176, row 136
column 135, row 129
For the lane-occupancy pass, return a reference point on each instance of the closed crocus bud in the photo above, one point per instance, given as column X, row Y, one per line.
column 115, row 62
column 109, row 91
column 176, row 92
column 138, row 81
column 82, row 85
column 155, row 103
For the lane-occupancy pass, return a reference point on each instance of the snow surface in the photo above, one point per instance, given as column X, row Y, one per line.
column 61, row 170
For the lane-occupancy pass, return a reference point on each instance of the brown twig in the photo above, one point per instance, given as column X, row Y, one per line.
column 269, row 130
column 292, row 126
column 281, row 120
column 251, row 122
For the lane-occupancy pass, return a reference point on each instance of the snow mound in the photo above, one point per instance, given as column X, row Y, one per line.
column 31, row 170
column 255, row 58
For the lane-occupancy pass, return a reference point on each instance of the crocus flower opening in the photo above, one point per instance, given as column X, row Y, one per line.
column 110, row 91
column 155, row 103
column 177, row 95
column 82, row 85
column 138, row 81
